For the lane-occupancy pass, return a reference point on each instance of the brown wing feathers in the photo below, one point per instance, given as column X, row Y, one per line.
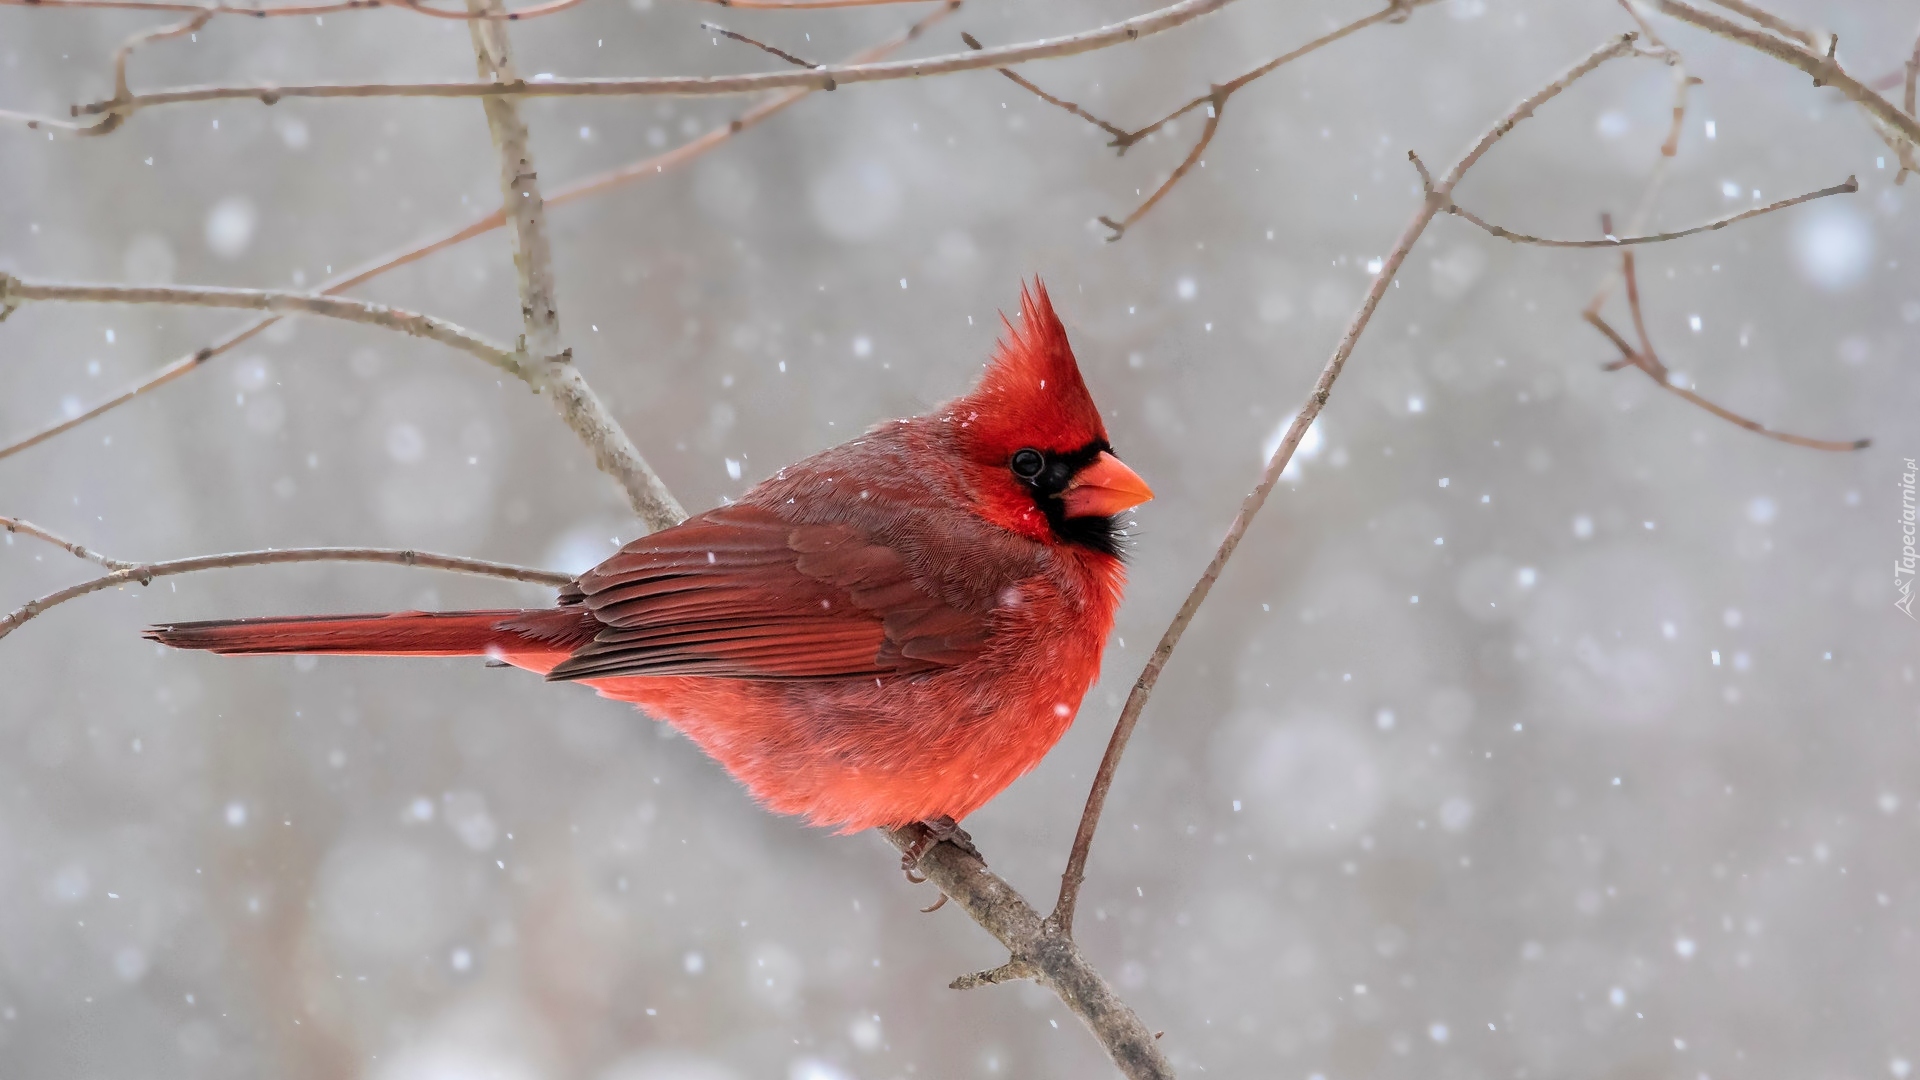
column 739, row 592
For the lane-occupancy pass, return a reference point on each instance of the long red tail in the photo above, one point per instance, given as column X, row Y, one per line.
column 501, row 633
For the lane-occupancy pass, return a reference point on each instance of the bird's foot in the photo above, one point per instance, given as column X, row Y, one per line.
column 937, row 830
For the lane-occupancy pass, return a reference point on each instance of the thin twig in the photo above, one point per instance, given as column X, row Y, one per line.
column 647, row 167
column 124, row 53
column 1430, row 206
column 263, row 11
column 1663, row 164
column 18, row 525
column 1396, row 11
column 1850, row 186
column 1011, row 971
column 143, row 573
column 1216, row 98
column 1040, row 950
column 1646, row 360
column 1128, row 30
column 13, row 290
column 1826, row 71
column 552, row 363
column 1057, row 102
column 1654, row 46
column 1906, row 149
column 770, row 50
column 803, row 5
column 1119, row 228
column 1769, row 20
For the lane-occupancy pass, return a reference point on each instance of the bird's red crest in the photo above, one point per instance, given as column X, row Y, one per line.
column 1032, row 393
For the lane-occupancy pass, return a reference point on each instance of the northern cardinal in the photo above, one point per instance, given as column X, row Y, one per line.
column 891, row 631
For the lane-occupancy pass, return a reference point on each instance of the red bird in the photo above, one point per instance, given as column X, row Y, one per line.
column 890, row 631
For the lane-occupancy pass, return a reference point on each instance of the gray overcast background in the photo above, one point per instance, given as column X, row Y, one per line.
column 1524, row 826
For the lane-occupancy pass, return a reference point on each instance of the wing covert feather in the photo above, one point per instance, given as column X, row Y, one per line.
column 739, row 592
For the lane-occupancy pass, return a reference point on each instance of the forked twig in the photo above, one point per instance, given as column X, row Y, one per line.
column 1039, row 949
column 1396, row 11
column 1430, row 206
column 803, row 5
column 266, row 11
column 1825, row 69
column 18, row 525
column 199, row 15
column 1059, row 103
column 1214, row 112
column 1127, row 30
column 1646, row 360
column 1215, row 98
column 553, row 371
column 1769, row 20
column 655, row 165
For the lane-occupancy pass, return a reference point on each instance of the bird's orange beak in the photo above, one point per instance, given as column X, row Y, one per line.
column 1104, row 488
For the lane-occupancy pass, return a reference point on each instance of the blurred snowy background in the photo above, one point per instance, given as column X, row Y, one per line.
column 1445, row 782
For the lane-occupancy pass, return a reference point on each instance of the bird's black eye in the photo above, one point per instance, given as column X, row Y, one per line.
column 1028, row 463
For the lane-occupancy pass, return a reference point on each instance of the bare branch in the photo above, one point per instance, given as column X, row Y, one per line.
column 1119, row 228
column 201, row 14
column 1395, row 11
column 1907, row 149
column 1040, row 950
column 13, row 290
column 1140, row 26
column 803, row 5
column 1662, row 165
column 1645, row 359
column 1769, row 20
column 1850, row 186
column 1826, row 71
column 770, row 50
column 1833, row 445
column 17, row 525
column 645, row 168
column 526, row 217
column 264, row 11
column 1430, row 206
column 1215, row 98
column 143, row 573
column 1059, row 103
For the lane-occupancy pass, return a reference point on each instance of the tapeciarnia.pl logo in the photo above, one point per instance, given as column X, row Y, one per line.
column 1903, row 567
